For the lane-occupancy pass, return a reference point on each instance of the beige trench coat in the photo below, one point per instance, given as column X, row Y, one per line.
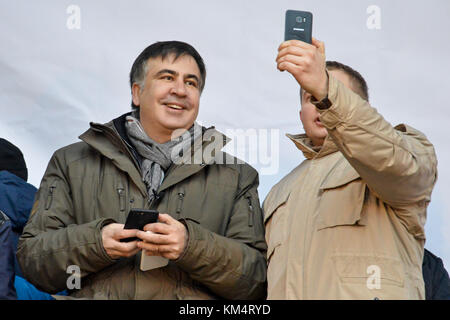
column 348, row 222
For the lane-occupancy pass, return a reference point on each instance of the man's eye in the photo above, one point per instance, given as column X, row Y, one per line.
column 167, row 78
column 191, row 83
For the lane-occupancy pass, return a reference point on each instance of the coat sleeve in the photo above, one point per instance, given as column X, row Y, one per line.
column 7, row 290
column 398, row 164
column 52, row 240
column 232, row 266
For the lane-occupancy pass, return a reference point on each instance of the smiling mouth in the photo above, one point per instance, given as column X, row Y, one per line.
column 174, row 106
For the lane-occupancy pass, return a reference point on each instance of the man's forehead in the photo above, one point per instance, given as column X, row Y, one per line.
column 182, row 64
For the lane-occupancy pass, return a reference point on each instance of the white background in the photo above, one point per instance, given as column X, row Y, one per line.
column 55, row 80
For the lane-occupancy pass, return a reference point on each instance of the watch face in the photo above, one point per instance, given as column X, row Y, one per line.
column 325, row 103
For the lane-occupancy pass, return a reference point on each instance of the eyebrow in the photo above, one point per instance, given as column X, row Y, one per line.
column 160, row 72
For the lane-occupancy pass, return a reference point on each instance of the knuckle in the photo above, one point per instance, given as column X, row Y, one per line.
column 308, row 61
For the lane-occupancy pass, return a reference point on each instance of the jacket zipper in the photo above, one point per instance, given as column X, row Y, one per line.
column 180, row 201
column 51, row 190
column 121, row 191
column 250, row 210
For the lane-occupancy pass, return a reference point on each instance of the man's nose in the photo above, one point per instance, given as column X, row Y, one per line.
column 179, row 88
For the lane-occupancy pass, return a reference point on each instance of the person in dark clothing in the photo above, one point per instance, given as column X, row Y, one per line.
column 16, row 201
column 16, row 195
column 7, row 290
column 437, row 281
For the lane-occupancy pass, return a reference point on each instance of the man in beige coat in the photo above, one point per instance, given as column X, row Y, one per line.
column 348, row 222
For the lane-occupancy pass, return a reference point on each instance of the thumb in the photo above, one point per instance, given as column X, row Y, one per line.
column 319, row 45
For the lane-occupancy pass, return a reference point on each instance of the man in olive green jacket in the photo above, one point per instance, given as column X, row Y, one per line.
column 348, row 222
column 210, row 225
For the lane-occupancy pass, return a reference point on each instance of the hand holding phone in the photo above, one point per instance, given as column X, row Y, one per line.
column 111, row 240
column 138, row 219
column 167, row 238
column 305, row 58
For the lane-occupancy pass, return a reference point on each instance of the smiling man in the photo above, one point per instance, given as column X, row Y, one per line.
column 210, row 225
column 348, row 222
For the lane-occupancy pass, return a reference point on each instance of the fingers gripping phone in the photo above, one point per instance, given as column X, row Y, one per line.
column 298, row 26
column 137, row 219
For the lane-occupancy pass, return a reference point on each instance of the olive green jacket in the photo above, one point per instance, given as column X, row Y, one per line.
column 90, row 184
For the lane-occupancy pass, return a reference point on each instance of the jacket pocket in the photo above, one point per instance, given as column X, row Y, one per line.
column 251, row 210
column 341, row 201
column 50, row 194
column 370, row 276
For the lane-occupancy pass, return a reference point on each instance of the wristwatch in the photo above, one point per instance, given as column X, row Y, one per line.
column 323, row 104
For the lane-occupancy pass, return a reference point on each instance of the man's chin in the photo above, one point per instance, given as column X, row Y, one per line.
column 316, row 132
column 317, row 139
column 178, row 125
column 177, row 121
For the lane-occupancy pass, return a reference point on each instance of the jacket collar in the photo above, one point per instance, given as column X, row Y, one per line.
column 304, row 144
column 111, row 140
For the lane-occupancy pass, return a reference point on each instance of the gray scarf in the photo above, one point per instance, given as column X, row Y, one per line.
column 157, row 157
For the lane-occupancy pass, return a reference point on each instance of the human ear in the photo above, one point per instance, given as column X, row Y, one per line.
column 135, row 90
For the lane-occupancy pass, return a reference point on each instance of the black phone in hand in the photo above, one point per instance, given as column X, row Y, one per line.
column 298, row 26
column 137, row 219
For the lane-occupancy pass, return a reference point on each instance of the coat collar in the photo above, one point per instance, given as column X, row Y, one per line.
column 111, row 141
column 304, row 144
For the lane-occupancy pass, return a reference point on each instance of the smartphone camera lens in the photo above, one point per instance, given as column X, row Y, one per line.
column 299, row 19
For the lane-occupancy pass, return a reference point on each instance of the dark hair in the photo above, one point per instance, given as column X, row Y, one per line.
column 163, row 49
column 358, row 83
